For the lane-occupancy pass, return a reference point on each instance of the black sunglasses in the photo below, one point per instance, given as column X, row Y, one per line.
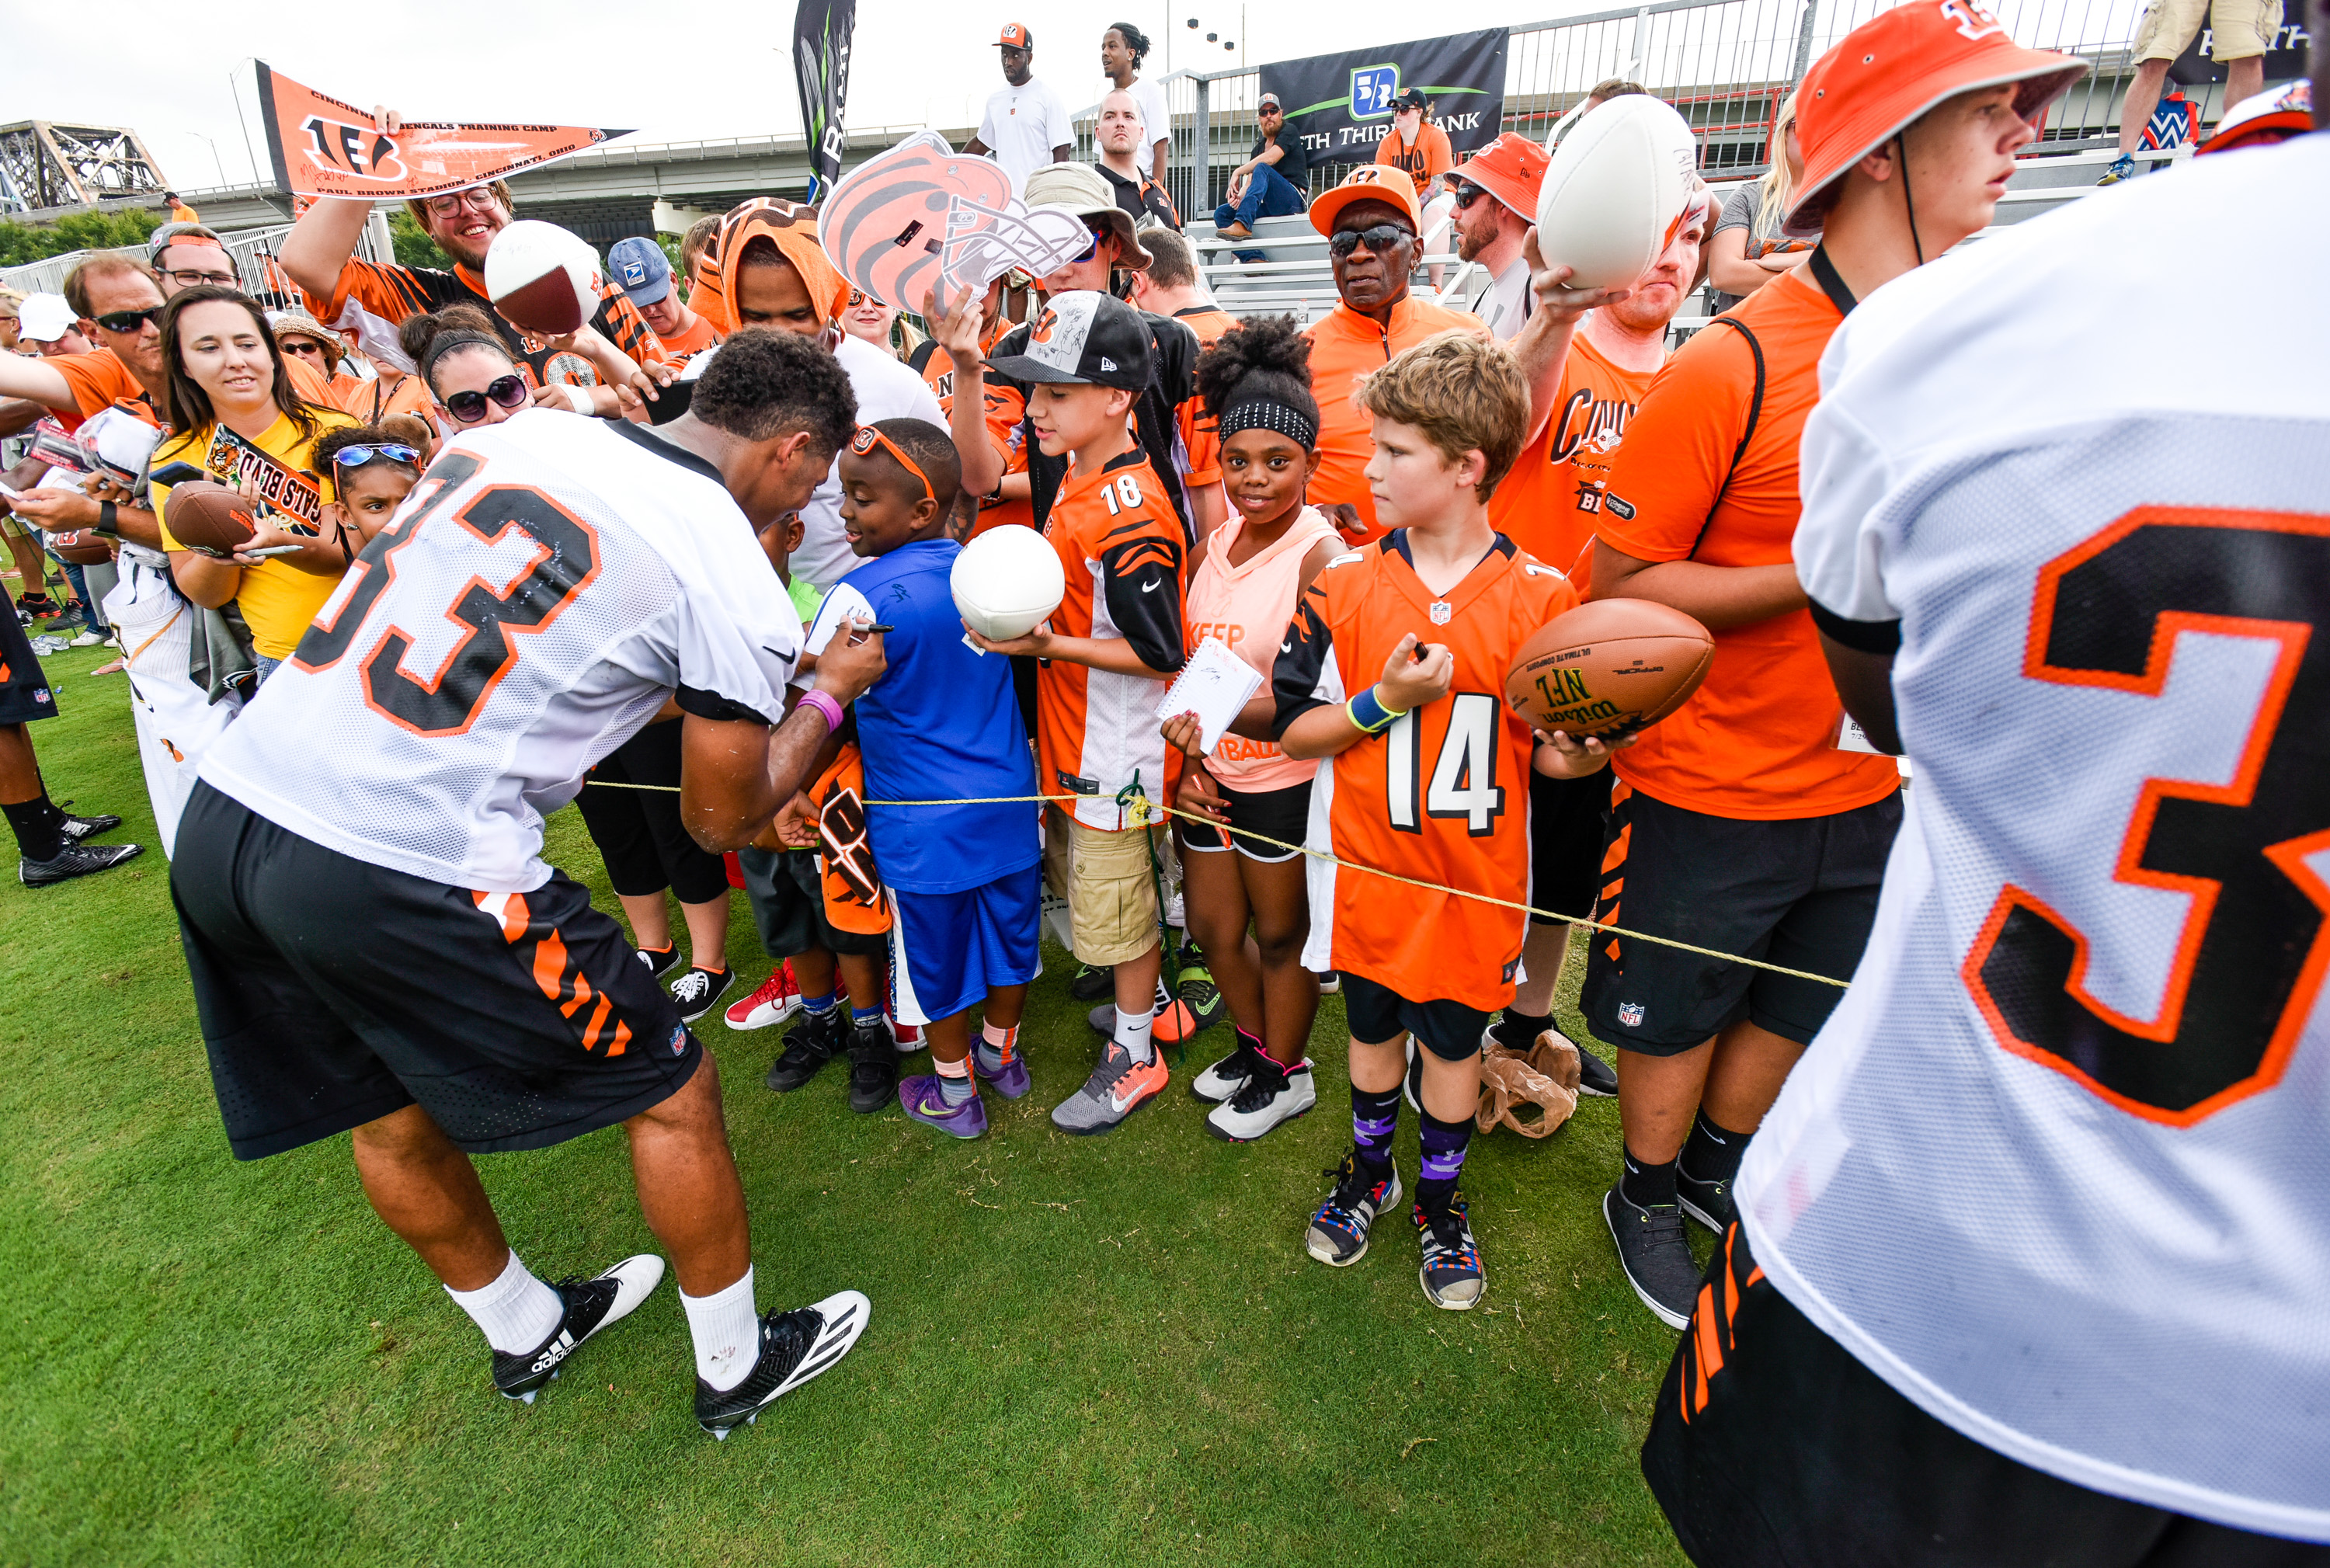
column 357, row 457
column 128, row 320
column 1383, row 239
column 468, row 407
column 1467, row 193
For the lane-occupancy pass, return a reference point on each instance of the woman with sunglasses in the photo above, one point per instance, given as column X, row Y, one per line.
column 471, row 378
column 234, row 415
column 869, row 320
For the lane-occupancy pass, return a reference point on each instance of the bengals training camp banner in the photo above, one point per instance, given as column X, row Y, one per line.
column 1341, row 104
column 821, row 36
column 323, row 148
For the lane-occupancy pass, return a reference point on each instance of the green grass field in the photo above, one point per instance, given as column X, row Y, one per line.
column 1085, row 1351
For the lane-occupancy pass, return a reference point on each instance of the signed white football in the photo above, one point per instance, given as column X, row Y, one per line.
column 544, row 278
column 1614, row 191
column 1008, row 581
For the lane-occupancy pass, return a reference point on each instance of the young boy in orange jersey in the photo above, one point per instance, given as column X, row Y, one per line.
column 1429, row 780
column 1104, row 660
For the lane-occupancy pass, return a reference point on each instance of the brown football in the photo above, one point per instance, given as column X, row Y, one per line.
column 1609, row 669
column 206, row 516
column 80, row 548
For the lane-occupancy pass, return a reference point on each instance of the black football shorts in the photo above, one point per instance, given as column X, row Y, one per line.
column 24, row 691
column 1570, row 820
column 333, row 992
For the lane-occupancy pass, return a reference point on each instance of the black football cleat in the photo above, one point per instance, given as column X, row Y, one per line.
column 78, row 829
column 591, row 1305
column 75, row 860
column 795, row 1347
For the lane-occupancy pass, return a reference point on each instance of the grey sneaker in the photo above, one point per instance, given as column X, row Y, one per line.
column 1655, row 1254
column 1117, row 1088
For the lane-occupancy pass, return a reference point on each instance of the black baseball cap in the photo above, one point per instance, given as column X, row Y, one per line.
column 1082, row 337
column 1412, row 99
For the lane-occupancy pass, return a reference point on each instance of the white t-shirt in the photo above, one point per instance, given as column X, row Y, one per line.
column 886, row 390
column 2056, row 1169
column 1156, row 119
column 549, row 582
column 1021, row 127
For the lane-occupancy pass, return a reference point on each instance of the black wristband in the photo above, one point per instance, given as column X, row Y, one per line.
column 108, row 520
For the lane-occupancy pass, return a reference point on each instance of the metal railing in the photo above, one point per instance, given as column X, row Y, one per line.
column 251, row 248
column 1726, row 64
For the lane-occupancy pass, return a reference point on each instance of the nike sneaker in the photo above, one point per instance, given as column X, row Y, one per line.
column 1339, row 1231
column 809, row 1044
column 1011, row 1080
column 2122, row 168
column 778, row 999
column 591, row 1305
column 74, row 860
column 1655, row 1255
column 1270, row 1096
column 795, row 1347
column 1709, row 1203
column 1224, row 1079
column 1091, row 984
column 920, row 1098
column 81, row 829
column 1117, row 1088
column 1451, row 1274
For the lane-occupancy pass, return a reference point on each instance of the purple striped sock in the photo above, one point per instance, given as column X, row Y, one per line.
column 1374, row 1119
column 1444, row 1143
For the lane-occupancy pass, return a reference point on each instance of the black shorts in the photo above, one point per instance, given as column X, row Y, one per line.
column 1802, row 893
column 1376, row 1013
column 1570, row 820
column 24, row 691
column 1772, row 1445
column 333, row 992
column 786, row 889
column 638, row 832
column 1281, row 814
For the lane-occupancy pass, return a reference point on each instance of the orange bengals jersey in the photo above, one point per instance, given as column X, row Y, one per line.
column 1443, row 795
column 1120, row 543
column 1200, row 436
column 1003, row 409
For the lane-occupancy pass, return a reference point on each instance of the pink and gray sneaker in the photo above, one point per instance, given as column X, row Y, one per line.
column 921, row 1098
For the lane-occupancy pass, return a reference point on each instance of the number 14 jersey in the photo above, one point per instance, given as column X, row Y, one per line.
column 547, row 586
column 1442, row 796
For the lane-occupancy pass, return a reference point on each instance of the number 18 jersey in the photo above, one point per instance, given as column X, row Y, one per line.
column 1442, row 796
column 2057, row 1169
column 547, row 584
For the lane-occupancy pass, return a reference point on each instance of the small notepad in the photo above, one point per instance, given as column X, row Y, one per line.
column 1215, row 685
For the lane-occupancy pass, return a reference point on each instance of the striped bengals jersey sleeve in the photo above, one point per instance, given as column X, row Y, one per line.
column 393, row 293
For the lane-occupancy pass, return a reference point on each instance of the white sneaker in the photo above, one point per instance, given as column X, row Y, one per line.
column 1224, row 1078
column 1262, row 1101
column 90, row 637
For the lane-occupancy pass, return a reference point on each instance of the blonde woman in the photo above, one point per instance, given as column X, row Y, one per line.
column 1749, row 251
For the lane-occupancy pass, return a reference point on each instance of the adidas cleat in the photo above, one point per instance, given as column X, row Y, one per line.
column 591, row 1305
column 795, row 1347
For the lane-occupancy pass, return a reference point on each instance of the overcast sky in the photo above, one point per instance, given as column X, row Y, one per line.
column 715, row 68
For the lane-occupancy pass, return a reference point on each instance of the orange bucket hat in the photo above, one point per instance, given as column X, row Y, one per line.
column 792, row 229
column 1512, row 169
column 1892, row 69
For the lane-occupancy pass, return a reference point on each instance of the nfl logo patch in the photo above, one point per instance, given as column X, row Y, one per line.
column 1630, row 1013
column 679, row 1038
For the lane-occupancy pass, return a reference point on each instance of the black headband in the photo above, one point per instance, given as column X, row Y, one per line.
column 446, row 343
column 1267, row 414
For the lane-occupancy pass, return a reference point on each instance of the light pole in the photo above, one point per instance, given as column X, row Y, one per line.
column 215, row 157
column 235, row 93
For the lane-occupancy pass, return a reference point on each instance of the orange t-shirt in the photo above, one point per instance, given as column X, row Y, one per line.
column 679, row 350
column 1427, row 157
column 1441, row 796
column 1346, row 348
column 1758, row 740
column 374, row 401
column 1199, row 437
column 98, row 380
column 1550, row 501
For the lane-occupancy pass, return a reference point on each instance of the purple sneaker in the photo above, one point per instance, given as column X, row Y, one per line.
column 919, row 1097
column 1012, row 1081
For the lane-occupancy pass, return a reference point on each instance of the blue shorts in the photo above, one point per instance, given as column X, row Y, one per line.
column 946, row 949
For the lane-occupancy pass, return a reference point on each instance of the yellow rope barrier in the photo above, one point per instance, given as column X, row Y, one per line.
column 1335, row 861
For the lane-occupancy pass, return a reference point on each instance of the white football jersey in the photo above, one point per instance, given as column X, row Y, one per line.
column 2057, row 1169
column 886, row 390
column 547, row 585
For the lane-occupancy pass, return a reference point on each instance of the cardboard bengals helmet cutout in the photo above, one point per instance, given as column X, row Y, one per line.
column 921, row 211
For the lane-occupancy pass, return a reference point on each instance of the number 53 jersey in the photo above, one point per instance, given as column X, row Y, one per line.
column 550, row 582
column 1439, row 797
column 2059, row 1168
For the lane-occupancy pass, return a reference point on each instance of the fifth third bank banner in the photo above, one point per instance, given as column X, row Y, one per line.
column 1341, row 104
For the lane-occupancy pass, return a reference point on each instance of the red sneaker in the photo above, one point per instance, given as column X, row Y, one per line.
column 778, row 999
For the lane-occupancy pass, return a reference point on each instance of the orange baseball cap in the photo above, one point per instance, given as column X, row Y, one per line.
column 1892, row 69
column 1511, row 169
column 1015, row 36
column 1367, row 183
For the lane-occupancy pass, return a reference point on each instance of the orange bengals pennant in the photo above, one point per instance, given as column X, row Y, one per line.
column 323, row 148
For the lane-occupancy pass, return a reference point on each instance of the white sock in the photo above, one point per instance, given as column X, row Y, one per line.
column 1132, row 1033
column 727, row 1325
column 515, row 1313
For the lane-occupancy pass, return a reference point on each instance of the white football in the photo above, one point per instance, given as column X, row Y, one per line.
column 1615, row 190
column 544, row 278
column 1006, row 582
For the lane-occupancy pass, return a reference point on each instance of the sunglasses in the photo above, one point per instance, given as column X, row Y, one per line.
column 127, row 320
column 481, row 199
column 867, row 438
column 468, row 407
column 1099, row 233
column 307, row 345
column 1467, row 193
column 1383, row 239
column 357, row 457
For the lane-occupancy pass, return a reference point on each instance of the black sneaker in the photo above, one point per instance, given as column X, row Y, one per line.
column 1451, row 1275
column 1339, row 1231
column 873, row 1066
column 590, row 1305
column 75, row 860
column 698, row 991
column 658, row 961
column 77, row 829
column 1595, row 1076
column 1091, row 984
column 1655, row 1255
column 795, row 1347
column 1709, row 1203
column 809, row 1044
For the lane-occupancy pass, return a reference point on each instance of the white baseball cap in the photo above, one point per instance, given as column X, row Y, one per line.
column 44, row 317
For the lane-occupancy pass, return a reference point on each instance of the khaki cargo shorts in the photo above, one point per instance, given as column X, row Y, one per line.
column 1110, row 888
column 2239, row 29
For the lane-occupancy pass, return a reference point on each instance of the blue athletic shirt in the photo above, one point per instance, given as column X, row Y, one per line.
column 940, row 724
